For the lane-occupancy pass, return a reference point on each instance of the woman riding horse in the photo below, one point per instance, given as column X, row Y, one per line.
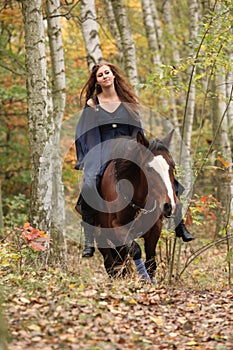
column 111, row 110
column 138, row 191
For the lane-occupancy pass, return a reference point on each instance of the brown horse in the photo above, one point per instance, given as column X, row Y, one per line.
column 138, row 191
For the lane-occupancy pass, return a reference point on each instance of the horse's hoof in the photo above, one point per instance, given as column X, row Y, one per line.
column 145, row 280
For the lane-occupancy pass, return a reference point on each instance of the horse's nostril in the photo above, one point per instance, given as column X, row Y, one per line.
column 167, row 209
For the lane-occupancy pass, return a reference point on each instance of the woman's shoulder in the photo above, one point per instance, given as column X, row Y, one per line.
column 90, row 103
column 93, row 101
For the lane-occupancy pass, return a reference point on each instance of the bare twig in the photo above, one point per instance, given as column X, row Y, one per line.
column 67, row 14
column 11, row 70
column 194, row 66
column 216, row 133
column 205, row 99
column 172, row 261
column 202, row 250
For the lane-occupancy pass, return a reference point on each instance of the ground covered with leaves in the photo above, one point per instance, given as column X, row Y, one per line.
column 82, row 309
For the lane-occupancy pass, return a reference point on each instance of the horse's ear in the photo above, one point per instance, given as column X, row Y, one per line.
column 142, row 139
column 167, row 139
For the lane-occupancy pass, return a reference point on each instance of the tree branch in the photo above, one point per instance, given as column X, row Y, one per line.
column 216, row 133
column 67, row 14
column 11, row 70
column 202, row 250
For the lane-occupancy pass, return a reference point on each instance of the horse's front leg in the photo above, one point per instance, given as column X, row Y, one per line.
column 150, row 242
column 136, row 253
column 109, row 262
column 105, row 250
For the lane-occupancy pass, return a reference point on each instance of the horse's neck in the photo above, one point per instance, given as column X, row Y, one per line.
column 125, row 169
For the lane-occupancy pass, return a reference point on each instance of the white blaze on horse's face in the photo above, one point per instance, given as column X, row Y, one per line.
column 160, row 165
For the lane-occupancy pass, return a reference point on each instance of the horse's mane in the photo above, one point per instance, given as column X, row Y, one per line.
column 157, row 145
column 126, row 146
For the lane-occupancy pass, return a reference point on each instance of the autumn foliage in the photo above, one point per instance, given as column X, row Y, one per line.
column 33, row 237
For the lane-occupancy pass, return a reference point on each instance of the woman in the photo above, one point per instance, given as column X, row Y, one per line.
column 111, row 110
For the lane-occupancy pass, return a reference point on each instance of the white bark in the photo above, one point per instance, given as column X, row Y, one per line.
column 110, row 18
column 59, row 99
column 222, row 147
column 128, row 47
column 45, row 113
column 229, row 83
column 190, row 101
column 221, row 108
column 175, row 61
column 151, row 32
column 230, row 125
column 39, row 114
column 172, row 34
column 157, row 24
column 1, row 213
column 193, row 14
column 90, row 32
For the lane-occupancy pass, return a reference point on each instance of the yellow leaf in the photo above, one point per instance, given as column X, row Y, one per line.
column 133, row 301
column 34, row 327
column 192, row 343
column 158, row 320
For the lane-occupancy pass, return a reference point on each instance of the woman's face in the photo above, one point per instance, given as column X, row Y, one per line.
column 105, row 77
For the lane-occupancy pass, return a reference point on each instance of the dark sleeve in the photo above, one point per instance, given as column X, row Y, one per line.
column 80, row 153
column 135, row 128
column 87, row 135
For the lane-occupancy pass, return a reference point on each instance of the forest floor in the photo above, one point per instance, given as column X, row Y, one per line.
column 81, row 308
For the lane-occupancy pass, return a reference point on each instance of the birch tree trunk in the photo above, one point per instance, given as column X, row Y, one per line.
column 45, row 113
column 1, row 212
column 90, row 32
column 229, row 82
column 230, row 123
column 157, row 24
column 40, row 119
column 113, row 29
column 175, row 61
column 190, row 99
column 59, row 99
column 172, row 34
column 151, row 33
column 223, row 148
column 128, row 48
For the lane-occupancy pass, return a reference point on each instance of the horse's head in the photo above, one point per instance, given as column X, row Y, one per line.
column 159, row 161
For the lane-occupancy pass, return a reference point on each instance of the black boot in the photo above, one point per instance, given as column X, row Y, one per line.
column 88, row 252
column 181, row 230
column 89, row 248
column 88, row 223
